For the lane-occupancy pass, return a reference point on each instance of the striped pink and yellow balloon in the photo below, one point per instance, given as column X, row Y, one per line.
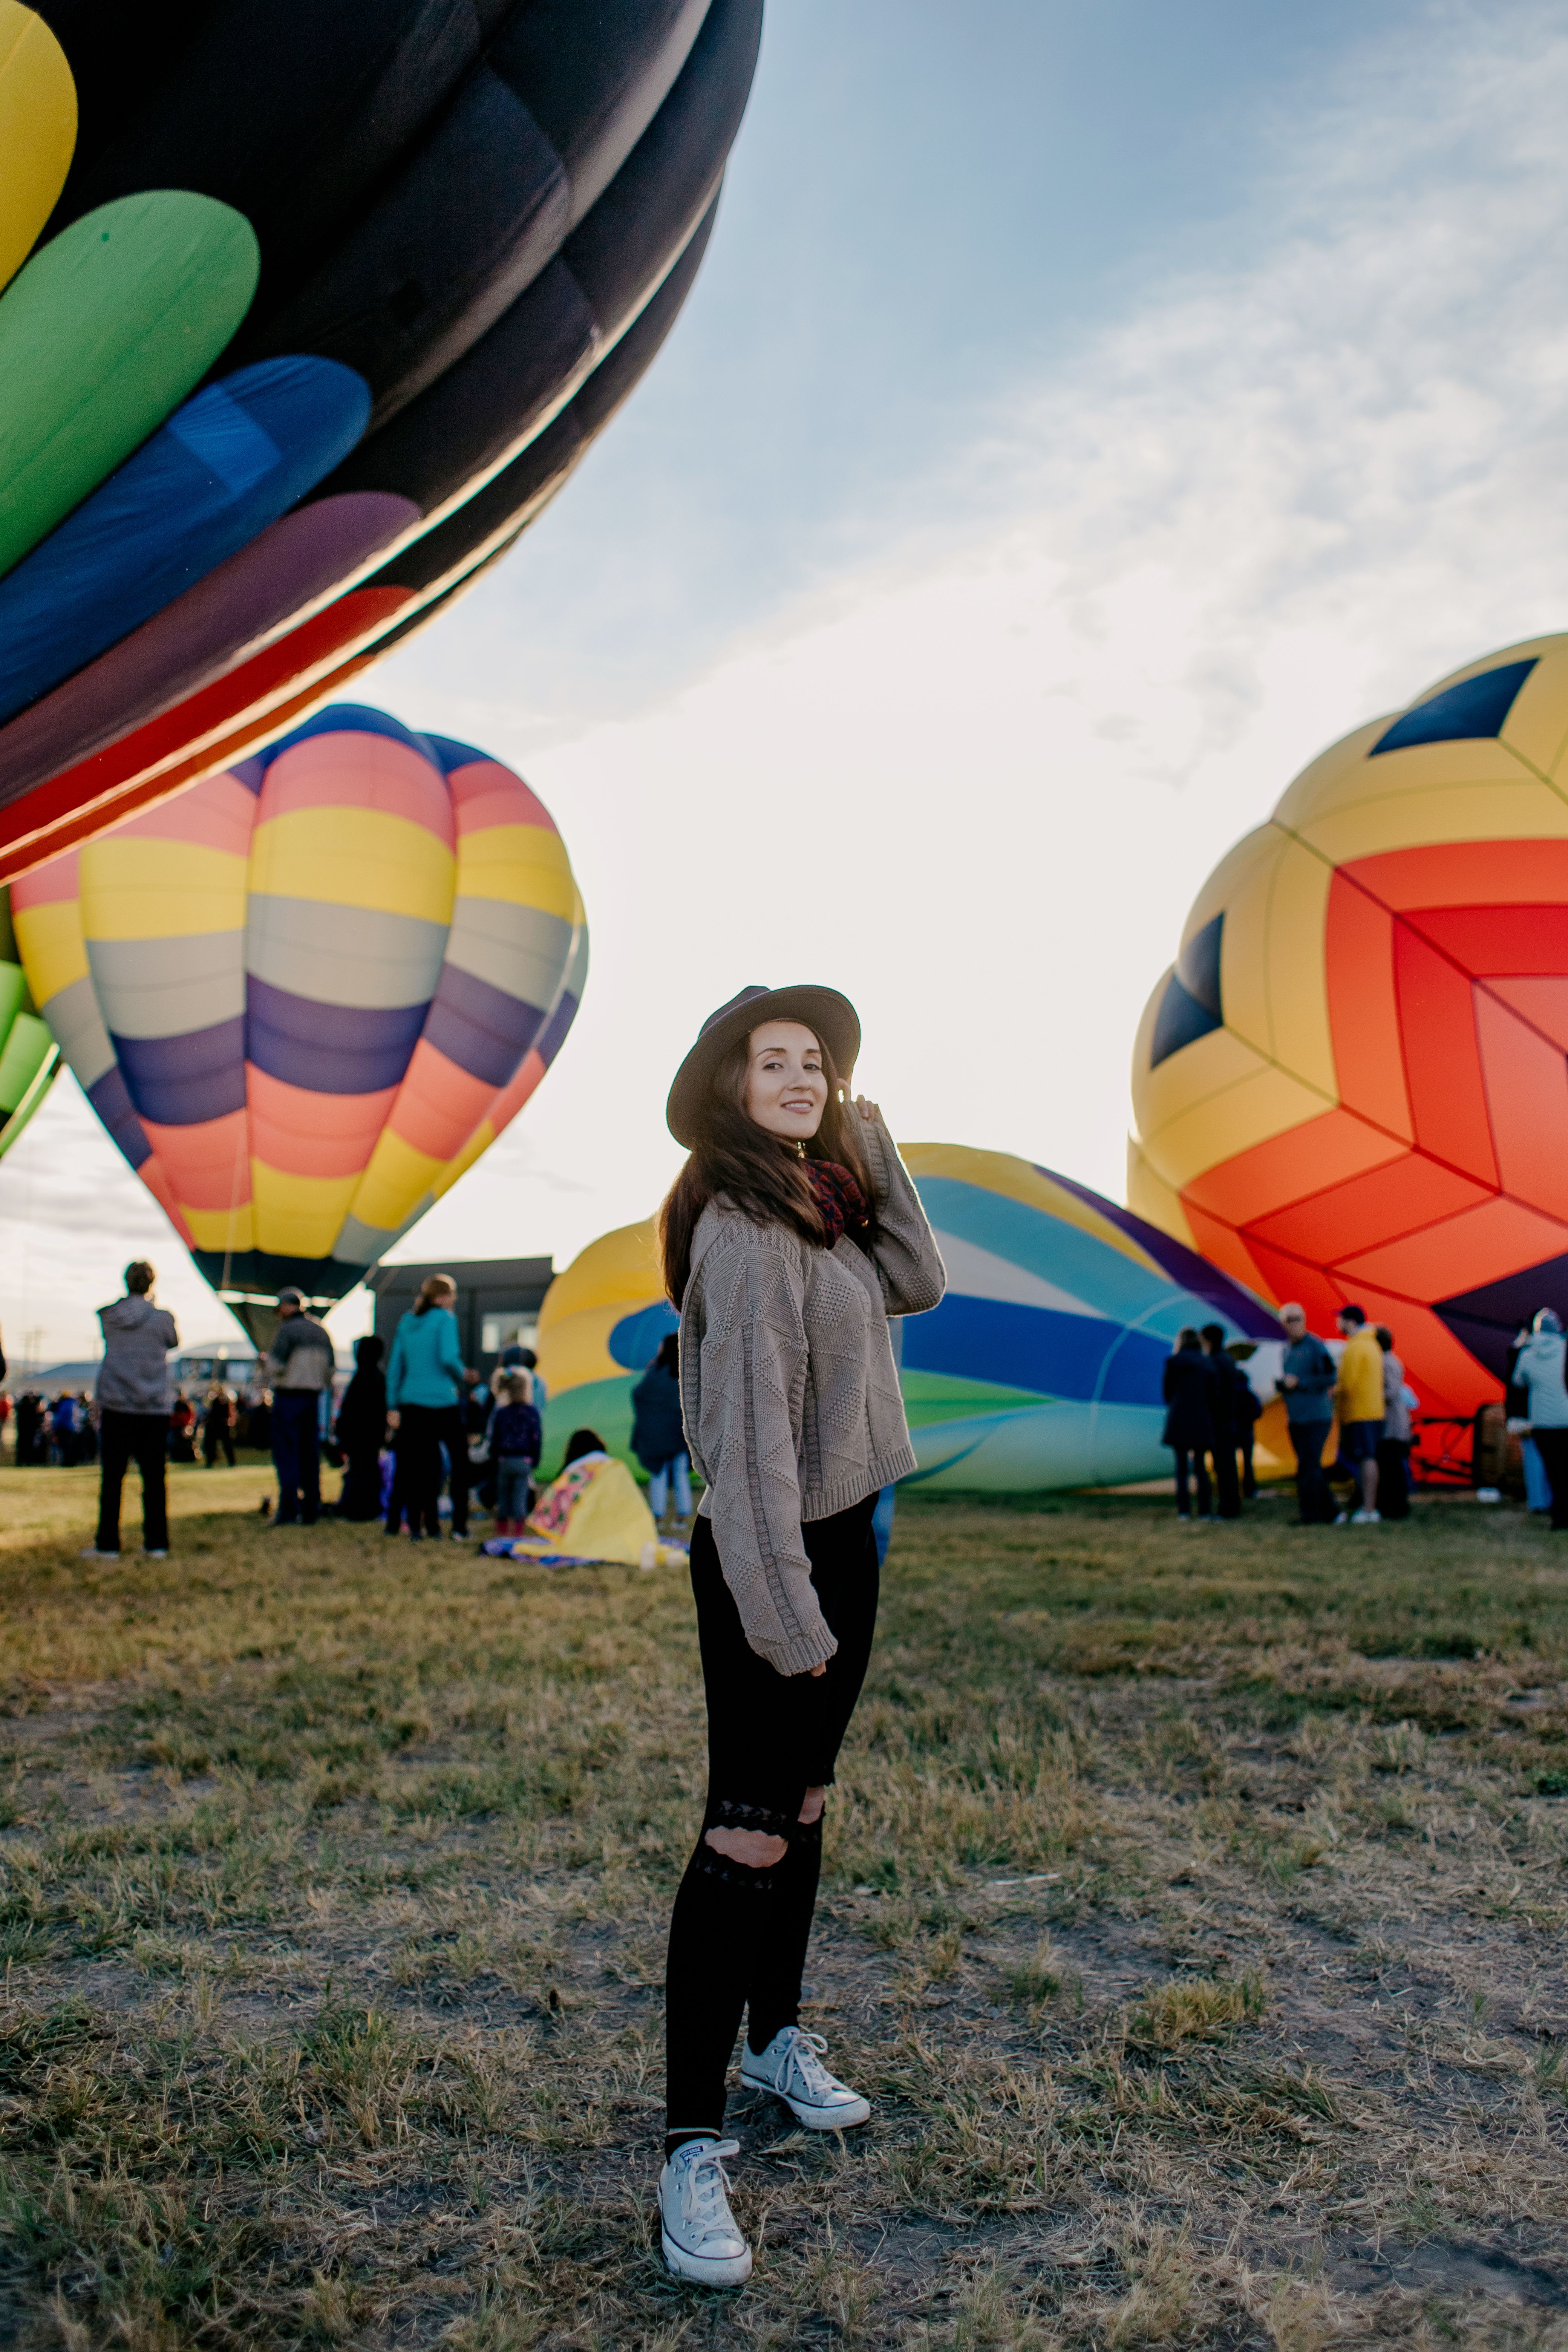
column 306, row 995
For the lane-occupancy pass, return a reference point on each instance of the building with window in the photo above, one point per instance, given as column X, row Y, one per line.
column 499, row 1299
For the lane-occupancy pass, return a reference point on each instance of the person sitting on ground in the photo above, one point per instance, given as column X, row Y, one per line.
column 1307, row 1377
column 362, row 1425
column 133, row 1412
column 659, row 1434
column 516, row 1438
column 581, row 1445
column 1189, row 1386
column 1539, row 1373
column 1393, row 1453
column 1358, row 1397
column 300, row 1363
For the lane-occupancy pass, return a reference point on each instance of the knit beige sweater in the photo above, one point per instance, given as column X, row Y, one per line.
column 790, row 1393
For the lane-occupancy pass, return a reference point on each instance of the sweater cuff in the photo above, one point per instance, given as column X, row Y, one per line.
column 811, row 1648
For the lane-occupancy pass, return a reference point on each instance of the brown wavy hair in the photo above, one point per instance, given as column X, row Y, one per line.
column 735, row 1159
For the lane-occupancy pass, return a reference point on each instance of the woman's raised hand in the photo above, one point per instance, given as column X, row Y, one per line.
column 868, row 1109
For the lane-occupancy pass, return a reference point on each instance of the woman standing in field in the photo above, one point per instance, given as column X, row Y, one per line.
column 424, row 1387
column 789, row 1237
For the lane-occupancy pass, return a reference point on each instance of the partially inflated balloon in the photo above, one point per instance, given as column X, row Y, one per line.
column 305, row 996
column 401, row 240
column 1352, row 1086
column 1041, row 1368
column 28, row 1055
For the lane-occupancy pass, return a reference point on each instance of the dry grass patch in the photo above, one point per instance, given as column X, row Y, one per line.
column 1194, row 1912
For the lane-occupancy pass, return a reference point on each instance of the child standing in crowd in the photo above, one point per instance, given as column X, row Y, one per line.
column 516, row 1437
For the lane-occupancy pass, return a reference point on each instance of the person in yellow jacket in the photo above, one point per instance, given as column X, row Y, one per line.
column 1358, row 1399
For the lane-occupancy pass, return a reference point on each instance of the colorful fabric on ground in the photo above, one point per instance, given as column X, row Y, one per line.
column 307, row 994
column 595, row 1511
column 1352, row 1086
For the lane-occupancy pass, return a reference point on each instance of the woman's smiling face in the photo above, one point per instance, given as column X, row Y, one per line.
column 786, row 1086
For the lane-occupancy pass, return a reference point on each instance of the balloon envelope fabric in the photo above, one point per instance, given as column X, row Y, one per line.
column 28, row 1055
column 599, row 1329
column 1041, row 1367
column 1353, row 1084
column 390, row 239
column 305, row 996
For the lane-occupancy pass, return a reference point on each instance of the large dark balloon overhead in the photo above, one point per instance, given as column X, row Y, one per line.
column 313, row 309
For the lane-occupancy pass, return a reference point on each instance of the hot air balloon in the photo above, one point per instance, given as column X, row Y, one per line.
column 311, row 292
column 1352, row 1087
column 1041, row 1367
column 304, row 996
column 28, row 1055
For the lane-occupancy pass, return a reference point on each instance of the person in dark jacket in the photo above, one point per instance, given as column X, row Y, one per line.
column 361, row 1427
column 1190, row 1391
column 1232, row 1415
column 1307, row 1378
column 217, row 1426
column 659, row 1434
column 516, row 1438
column 133, row 1412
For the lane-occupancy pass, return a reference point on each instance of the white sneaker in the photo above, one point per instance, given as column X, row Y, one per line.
column 1343, row 1520
column 153, row 1555
column 90, row 1551
column 791, row 2068
column 1367, row 1520
column 697, row 2228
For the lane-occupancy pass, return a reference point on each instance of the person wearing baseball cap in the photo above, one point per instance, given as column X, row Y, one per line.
column 300, row 1364
column 789, row 1237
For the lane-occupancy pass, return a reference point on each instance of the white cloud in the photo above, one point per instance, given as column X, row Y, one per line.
column 977, row 784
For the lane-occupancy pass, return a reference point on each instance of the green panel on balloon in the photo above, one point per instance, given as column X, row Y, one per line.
column 28, row 1055
column 101, row 336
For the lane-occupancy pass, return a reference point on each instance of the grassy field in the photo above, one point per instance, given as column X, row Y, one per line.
column 1194, row 1912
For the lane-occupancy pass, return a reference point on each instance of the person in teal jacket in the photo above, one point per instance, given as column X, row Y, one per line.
column 423, row 1386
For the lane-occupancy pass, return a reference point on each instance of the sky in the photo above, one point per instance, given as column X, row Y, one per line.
column 1086, row 413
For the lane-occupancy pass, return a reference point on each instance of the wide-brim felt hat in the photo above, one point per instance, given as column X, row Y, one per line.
column 824, row 1010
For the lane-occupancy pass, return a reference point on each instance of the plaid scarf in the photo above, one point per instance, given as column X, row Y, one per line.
column 840, row 1202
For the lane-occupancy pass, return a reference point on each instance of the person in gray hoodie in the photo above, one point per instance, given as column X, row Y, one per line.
column 1539, row 1371
column 133, row 1412
column 299, row 1365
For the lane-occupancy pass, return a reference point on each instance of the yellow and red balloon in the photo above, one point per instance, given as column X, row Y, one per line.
column 1353, row 1084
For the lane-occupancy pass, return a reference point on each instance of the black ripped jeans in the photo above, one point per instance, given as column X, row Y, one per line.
column 738, row 1937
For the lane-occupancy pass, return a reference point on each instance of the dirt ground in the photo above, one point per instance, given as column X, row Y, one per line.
column 1194, row 1912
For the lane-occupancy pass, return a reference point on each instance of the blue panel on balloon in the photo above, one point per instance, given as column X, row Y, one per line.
column 1471, row 712
column 180, row 1081
column 635, row 1341
column 1135, row 1372
column 330, row 1049
column 225, row 466
column 1011, row 1347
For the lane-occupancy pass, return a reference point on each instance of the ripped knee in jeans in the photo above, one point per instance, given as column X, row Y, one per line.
column 751, row 1839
